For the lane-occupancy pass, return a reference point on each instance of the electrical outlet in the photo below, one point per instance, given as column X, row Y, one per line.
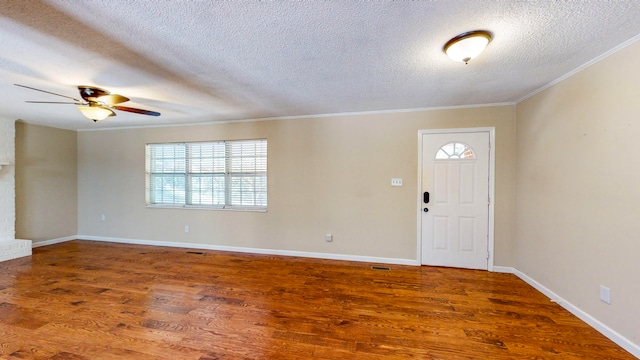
column 605, row 294
column 102, row 217
column 186, row 229
column 328, row 237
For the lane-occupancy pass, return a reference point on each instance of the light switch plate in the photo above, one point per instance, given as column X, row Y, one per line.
column 396, row 182
column 605, row 294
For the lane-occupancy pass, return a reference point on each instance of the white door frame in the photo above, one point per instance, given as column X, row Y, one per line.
column 492, row 160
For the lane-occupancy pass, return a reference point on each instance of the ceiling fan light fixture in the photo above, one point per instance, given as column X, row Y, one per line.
column 468, row 45
column 96, row 104
column 96, row 112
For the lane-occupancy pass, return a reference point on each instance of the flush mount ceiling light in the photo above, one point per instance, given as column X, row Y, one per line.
column 467, row 46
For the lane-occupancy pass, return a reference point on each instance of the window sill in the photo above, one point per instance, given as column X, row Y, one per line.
column 214, row 208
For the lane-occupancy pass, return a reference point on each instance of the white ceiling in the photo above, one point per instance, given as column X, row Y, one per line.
column 207, row 61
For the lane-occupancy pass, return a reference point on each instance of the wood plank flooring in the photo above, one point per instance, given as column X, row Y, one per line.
column 92, row 300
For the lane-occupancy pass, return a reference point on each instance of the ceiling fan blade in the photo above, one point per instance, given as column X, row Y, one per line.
column 48, row 92
column 112, row 99
column 137, row 111
column 55, row 102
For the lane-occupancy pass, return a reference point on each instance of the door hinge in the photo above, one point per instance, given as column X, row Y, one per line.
column 487, row 255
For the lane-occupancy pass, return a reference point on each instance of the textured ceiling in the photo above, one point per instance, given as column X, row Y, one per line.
column 206, row 61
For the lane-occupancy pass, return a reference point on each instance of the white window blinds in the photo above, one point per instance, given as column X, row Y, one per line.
column 221, row 174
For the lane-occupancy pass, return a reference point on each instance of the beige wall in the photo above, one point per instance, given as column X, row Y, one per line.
column 577, row 189
column 326, row 175
column 46, row 182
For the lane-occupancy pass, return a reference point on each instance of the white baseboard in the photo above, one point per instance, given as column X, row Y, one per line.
column 370, row 259
column 614, row 336
column 504, row 269
column 53, row 241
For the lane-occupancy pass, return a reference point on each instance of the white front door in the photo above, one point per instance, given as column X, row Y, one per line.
column 455, row 213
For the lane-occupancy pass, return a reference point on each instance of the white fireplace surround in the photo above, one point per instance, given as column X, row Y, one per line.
column 10, row 248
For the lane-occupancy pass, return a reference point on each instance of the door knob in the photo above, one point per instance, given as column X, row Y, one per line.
column 425, row 210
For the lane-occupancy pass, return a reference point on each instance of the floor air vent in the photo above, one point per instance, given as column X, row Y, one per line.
column 381, row 268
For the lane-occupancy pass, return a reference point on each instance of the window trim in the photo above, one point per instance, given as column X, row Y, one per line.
column 228, row 174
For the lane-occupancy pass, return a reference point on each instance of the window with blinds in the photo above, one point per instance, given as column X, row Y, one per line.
column 218, row 174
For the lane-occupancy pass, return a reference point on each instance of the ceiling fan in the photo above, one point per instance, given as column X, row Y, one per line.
column 96, row 104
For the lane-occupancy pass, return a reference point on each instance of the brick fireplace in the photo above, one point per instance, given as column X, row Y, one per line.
column 10, row 248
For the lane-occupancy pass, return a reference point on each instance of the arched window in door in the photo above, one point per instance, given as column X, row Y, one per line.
column 455, row 150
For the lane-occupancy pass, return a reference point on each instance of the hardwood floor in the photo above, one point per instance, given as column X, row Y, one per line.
column 92, row 300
